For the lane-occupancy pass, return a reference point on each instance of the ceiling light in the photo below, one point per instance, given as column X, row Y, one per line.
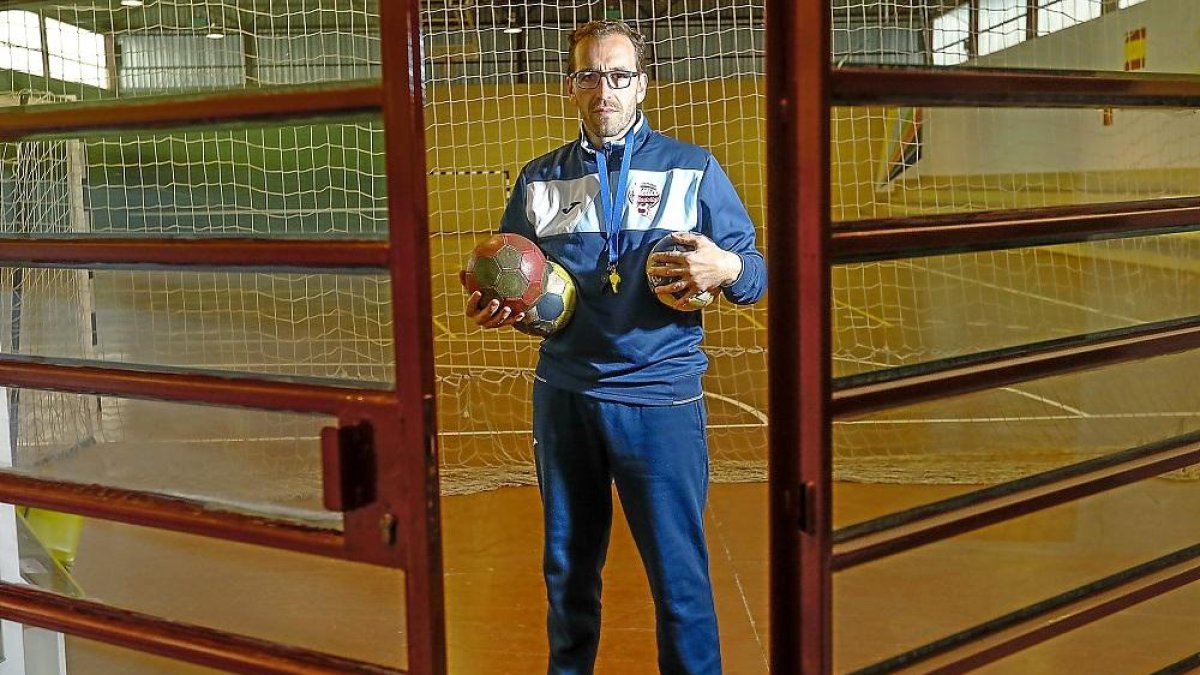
column 132, row 3
column 215, row 34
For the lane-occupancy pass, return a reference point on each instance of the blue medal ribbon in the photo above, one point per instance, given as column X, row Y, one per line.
column 613, row 216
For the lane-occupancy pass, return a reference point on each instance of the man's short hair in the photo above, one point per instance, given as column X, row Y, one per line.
column 599, row 29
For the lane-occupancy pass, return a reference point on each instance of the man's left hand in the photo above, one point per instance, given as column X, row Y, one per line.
column 706, row 267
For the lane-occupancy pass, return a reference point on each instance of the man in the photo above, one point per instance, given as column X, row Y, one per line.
column 617, row 395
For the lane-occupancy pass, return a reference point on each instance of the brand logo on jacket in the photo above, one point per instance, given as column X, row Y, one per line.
column 644, row 197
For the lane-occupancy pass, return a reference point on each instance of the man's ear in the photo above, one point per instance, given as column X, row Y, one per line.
column 642, row 85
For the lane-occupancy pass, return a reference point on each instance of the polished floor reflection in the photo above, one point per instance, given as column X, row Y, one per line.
column 496, row 610
column 495, row 606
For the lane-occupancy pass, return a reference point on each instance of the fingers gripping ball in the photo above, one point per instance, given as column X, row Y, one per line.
column 508, row 268
column 698, row 301
column 553, row 310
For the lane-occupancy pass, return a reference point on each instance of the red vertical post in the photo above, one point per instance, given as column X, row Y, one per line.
column 407, row 456
column 798, row 216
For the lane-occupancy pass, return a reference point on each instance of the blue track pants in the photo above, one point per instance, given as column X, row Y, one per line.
column 658, row 458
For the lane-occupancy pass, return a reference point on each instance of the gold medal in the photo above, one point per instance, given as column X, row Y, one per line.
column 614, row 279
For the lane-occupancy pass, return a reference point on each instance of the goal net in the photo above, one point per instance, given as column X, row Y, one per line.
column 45, row 311
column 494, row 101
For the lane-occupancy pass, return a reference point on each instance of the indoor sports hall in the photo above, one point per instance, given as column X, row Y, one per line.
column 249, row 427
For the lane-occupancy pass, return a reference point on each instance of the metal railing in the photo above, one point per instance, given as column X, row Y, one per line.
column 804, row 242
column 380, row 463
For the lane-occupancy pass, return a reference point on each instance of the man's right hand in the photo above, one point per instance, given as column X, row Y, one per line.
column 490, row 314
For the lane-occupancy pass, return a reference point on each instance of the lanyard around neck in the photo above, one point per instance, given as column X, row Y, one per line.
column 613, row 205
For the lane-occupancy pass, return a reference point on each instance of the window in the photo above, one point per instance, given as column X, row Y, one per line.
column 1122, row 4
column 74, row 54
column 1059, row 14
column 951, row 32
column 1001, row 24
column 21, row 42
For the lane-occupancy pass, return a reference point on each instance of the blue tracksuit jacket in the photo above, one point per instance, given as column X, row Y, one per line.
column 628, row 346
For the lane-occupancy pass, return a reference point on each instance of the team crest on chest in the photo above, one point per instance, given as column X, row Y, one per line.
column 644, row 197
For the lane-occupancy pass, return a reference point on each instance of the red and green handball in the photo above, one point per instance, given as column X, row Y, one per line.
column 508, row 268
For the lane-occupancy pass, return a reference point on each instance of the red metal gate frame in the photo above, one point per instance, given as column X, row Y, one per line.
column 380, row 463
column 798, row 48
column 802, row 88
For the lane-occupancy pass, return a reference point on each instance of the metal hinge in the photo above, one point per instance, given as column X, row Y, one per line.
column 348, row 466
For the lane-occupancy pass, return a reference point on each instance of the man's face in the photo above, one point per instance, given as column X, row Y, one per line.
column 606, row 112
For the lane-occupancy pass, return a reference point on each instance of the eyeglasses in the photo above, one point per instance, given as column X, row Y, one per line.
column 590, row 79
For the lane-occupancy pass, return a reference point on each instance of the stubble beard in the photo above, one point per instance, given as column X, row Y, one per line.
column 609, row 126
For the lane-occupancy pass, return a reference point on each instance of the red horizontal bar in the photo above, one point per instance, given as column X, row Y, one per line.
column 1185, row 665
column 81, row 376
column 1007, row 501
column 181, row 641
column 1011, row 88
column 208, row 252
column 180, row 515
column 894, row 238
column 991, row 372
column 156, row 112
column 1088, row 606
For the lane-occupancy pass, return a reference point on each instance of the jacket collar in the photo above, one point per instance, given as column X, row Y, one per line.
column 637, row 135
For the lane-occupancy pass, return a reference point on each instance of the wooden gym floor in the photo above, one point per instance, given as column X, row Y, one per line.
column 495, row 607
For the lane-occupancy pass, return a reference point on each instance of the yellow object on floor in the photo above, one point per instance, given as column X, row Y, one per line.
column 58, row 532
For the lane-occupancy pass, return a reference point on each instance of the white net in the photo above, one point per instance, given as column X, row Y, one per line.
column 45, row 310
column 495, row 101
